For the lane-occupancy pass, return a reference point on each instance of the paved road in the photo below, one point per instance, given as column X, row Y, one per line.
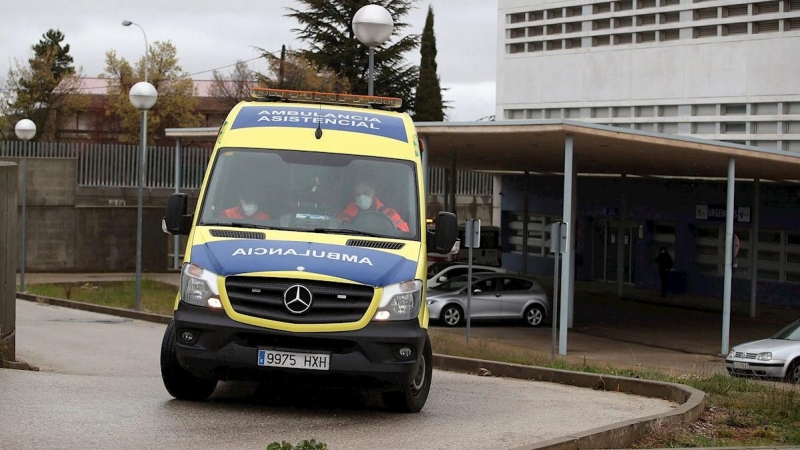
column 100, row 387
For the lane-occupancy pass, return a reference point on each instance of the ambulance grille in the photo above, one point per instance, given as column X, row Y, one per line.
column 332, row 302
column 375, row 244
column 238, row 234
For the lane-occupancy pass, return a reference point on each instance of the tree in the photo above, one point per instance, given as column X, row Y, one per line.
column 234, row 88
column 176, row 100
column 301, row 74
column 47, row 88
column 326, row 26
column 428, row 104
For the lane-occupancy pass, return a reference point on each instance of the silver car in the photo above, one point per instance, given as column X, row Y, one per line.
column 494, row 296
column 776, row 357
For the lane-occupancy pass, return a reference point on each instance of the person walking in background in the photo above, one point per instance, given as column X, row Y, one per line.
column 664, row 262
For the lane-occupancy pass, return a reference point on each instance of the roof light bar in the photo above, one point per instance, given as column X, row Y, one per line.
column 326, row 97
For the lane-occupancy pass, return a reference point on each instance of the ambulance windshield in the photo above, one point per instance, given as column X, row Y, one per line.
column 313, row 191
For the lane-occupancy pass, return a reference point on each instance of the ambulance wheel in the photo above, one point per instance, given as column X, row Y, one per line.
column 180, row 383
column 414, row 394
column 373, row 222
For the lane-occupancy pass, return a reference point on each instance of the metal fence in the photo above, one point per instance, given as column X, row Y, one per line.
column 117, row 165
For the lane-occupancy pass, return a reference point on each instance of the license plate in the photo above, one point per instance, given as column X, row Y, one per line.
column 309, row 361
column 741, row 365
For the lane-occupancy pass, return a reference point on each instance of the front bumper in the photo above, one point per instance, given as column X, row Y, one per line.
column 226, row 349
column 751, row 368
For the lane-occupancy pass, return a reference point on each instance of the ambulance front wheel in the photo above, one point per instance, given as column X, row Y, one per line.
column 415, row 391
column 180, row 383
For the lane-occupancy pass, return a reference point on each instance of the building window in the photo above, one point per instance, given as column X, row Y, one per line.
column 647, row 36
column 514, row 114
column 734, row 28
column 734, row 10
column 553, row 113
column 794, row 5
column 555, row 45
column 516, row 48
column 671, row 17
column 575, row 113
column 535, row 31
column 704, row 32
column 516, row 33
column 624, row 5
column 648, row 19
column 601, row 8
column 644, row 111
column 669, row 128
column 600, row 113
column 705, row 13
column 516, row 18
column 623, row 22
column 704, row 110
column 704, row 128
column 792, row 24
column 556, row 13
column 767, row 8
column 573, row 43
column 765, row 109
column 555, row 29
column 538, row 233
column 646, row 4
column 734, row 128
column 622, row 111
column 766, row 144
column 791, row 127
column 535, row 15
column 573, row 27
column 601, row 24
column 622, row 39
column 767, row 26
column 575, row 11
column 670, row 35
column 765, row 128
column 670, row 2
column 668, row 111
column 535, row 46
column 534, row 114
column 600, row 41
column 734, row 110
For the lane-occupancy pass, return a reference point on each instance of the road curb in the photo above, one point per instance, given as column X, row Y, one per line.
column 691, row 401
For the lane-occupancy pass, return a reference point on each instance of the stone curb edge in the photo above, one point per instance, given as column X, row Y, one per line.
column 691, row 401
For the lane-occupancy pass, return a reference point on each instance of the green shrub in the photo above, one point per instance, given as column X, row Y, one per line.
column 302, row 445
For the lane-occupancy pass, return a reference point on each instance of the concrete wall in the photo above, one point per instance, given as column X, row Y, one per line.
column 8, row 260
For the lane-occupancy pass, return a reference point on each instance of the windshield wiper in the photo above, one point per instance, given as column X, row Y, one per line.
column 346, row 231
column 242, row 225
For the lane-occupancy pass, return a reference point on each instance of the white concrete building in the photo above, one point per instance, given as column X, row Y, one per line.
column 720, row 69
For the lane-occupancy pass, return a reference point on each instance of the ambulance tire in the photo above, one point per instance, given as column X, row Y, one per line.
column 414, row 394
column 180, row 383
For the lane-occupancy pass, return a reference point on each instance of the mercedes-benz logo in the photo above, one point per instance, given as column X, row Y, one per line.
column 297, row 299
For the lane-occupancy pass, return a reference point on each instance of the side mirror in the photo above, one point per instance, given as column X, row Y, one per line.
column 445, row 238
column 176, row 221
column 477, row 291
column 442, row 279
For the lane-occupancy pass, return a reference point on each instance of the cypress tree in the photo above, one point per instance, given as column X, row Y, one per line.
column 428, row 103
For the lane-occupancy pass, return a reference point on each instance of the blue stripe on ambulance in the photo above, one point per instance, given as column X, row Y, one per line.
column 329, row 119
column 361, row 265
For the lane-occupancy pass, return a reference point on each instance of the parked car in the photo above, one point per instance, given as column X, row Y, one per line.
column 777, row 357
column 494, row 296
column 440, row 272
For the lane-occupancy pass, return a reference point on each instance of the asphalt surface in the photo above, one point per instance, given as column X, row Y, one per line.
column 99, row 386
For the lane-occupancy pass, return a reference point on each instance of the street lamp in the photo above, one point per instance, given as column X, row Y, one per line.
column 143, row 96
column 25, row 130
column 127, row 23
column 373, row 25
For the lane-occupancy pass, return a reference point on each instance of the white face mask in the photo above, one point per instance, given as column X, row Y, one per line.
column 249, row 208
column 363, row 201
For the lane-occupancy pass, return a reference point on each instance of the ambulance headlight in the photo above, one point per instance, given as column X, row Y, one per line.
column 400, row 301
column 199, row 287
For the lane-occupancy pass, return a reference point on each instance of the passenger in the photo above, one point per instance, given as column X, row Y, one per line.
column 664, row 262
column 364, row 199
column 247, row 207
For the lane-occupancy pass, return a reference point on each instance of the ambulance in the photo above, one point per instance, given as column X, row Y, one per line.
column 306, row 253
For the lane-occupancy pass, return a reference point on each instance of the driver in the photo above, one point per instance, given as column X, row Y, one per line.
column 364, row 199
column 247, row 206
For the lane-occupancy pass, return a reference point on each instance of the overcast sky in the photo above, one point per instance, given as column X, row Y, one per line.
column 211, row 34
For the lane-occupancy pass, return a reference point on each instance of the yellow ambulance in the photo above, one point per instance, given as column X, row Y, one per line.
column 306, row 254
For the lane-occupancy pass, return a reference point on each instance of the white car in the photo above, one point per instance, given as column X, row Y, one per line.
column 440, row 272
column 777, row 357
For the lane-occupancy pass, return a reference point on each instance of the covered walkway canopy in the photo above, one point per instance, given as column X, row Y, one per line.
column 569, row 147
